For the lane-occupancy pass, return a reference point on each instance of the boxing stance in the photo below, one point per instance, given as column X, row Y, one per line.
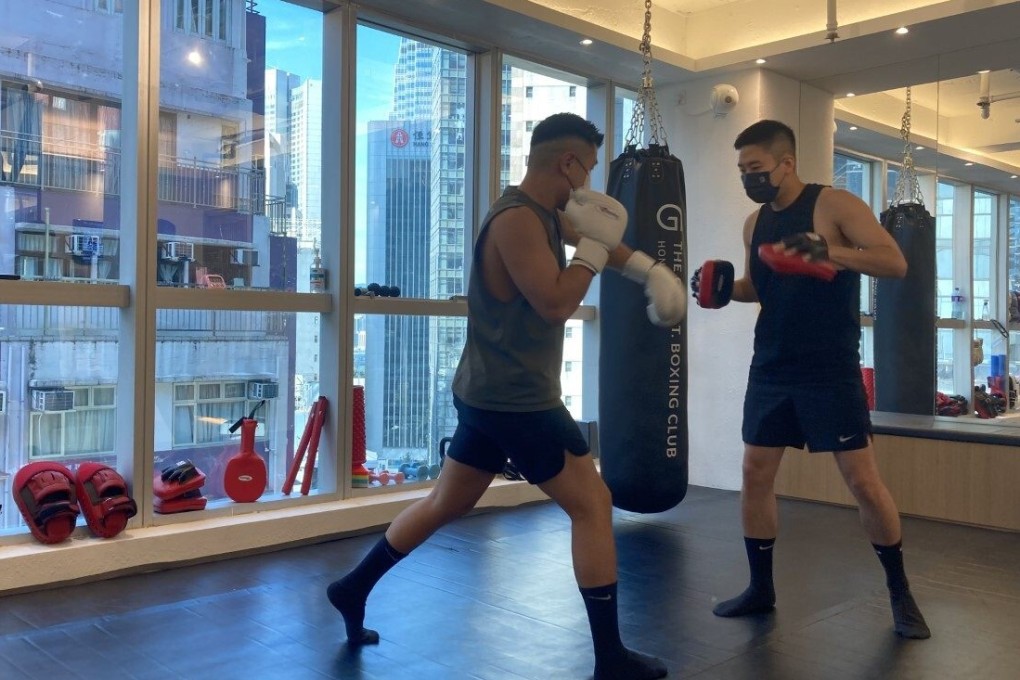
column 805, row 250
column 507, row 385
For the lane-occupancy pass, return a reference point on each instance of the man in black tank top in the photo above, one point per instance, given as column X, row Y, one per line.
column 507, row 392
column 804, row 385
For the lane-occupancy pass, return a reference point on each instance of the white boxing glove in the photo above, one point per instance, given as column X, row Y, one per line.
column 600, row 220
column 667, row 295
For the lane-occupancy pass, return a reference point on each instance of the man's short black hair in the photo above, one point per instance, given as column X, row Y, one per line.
column 563, row 125
column 776, row 137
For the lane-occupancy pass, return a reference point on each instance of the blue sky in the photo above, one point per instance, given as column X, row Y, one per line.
column 294, row 44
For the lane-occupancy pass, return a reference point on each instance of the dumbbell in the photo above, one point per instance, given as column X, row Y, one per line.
column 377, row 290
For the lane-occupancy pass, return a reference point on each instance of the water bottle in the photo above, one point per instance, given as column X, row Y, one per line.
column 957, row 303
column 984, row 311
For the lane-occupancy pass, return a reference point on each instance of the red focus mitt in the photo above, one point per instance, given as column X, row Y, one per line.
column 103, row 499
column 712, row 284
column 810, row 256
column 44, row 493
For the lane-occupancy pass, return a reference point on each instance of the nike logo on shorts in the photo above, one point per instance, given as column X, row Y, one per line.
column 765, row 547
column 602, row 597
column 843, row 440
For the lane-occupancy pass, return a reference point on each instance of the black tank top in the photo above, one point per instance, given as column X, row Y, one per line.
column 808, row 330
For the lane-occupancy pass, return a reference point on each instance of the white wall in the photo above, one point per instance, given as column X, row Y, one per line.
column 720, row 341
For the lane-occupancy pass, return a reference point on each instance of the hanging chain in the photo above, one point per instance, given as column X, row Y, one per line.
column 908, row 189
column 646, row 106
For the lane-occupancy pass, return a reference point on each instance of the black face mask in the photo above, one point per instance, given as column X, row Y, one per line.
column 758, row 186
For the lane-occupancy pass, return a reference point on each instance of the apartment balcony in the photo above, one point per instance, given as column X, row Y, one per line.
column 70, row 165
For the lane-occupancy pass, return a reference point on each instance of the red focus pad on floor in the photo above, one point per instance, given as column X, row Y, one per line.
column 103, row 498
column 716, row 285
column 781, row 263
column 44, row 493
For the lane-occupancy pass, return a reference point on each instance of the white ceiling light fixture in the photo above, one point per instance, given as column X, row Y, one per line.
column 851, row 94
column 1012, row 176
column 760, row 61
column 587, row 41
column 968, row 164
column 853, row 127
column 918, row 148
column 902, row 30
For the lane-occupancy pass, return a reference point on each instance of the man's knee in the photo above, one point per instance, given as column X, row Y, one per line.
column 595, row 502
column 759, row 472
column 866, row 487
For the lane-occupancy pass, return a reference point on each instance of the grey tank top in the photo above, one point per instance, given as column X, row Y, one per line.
column 512, row 357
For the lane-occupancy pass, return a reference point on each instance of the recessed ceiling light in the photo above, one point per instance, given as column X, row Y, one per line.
column 850, row 94
column 853, row 127
column 968, row 164
column 587, row 41
column 759, row 60
column 987, row 70
column 918, row 148
column 902, row 30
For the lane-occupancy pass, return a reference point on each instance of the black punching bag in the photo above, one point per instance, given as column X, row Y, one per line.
column 905, row 317
column 643, row 368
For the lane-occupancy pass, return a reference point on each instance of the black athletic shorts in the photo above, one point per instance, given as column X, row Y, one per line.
column 534, row 441
column 827, row 417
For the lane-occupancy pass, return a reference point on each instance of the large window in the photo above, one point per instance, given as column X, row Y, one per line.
column 240, row 140
column 58, row 397
column 411, row 228
column 60, row 124
column 984, row 214
column 214, row 367
column 946, row 287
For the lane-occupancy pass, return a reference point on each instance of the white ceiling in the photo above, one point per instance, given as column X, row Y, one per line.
column 949, row 41
column 682, row 6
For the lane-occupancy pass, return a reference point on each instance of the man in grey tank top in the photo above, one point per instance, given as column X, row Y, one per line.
column 507, row 392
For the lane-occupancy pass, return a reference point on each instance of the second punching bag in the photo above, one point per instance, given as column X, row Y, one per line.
column 643, row 368
column 905, row 317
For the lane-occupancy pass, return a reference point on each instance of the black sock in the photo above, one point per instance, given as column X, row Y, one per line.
column 891, row 557
column 907, row 616
column 349, row 594
column 612, row 659
column 760, row 595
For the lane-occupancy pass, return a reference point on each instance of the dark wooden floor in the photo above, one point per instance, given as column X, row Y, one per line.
column 493, row 597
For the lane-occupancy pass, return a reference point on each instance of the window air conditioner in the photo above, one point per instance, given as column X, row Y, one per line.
column 263, row 390
column 178, row 250
column 246, row 256
column 3, row 401
column 51, row 401
column 83, row 245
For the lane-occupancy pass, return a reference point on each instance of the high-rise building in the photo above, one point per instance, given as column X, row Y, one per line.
column 279, row 92
column 306, row 159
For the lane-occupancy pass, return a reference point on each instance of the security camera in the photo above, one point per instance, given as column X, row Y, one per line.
column 724, row 99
